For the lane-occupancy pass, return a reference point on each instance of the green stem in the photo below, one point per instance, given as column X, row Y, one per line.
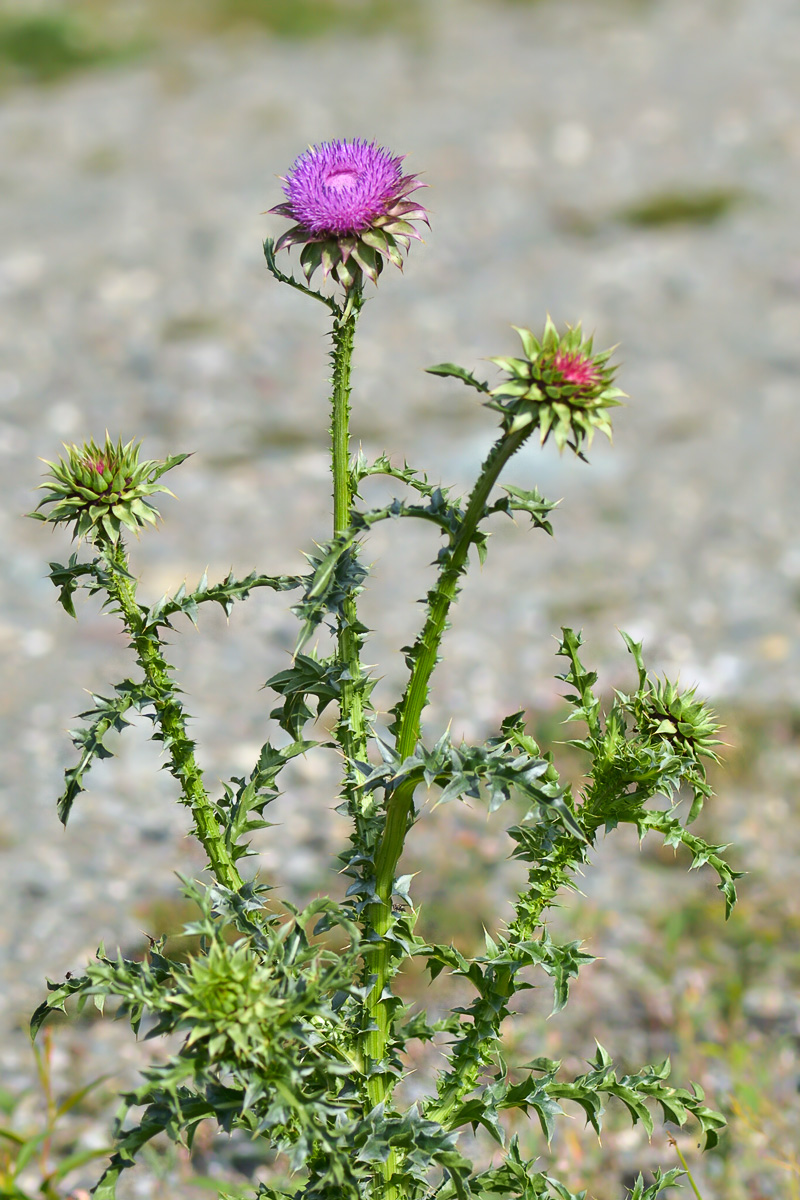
column 426, row 649
column 352, row 731
column 679, row 1153
column 425, row 656
column 171, row 718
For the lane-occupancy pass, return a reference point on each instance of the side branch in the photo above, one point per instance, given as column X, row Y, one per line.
column 423, row 658
column 170, row 717
column 424, row 654
column 224, row 594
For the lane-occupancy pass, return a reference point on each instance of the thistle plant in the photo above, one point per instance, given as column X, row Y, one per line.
column 286, row 1024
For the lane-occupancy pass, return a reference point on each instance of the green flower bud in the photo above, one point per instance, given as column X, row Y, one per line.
column 687, row 723
column 561, row 384
column 98, row 490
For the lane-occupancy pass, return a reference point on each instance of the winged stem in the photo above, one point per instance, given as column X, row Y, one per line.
column 352, row 731
column 424, row 656
column 169, row 716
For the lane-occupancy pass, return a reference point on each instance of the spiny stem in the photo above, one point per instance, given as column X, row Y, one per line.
column 425, row 655
column 427, row 644
column 351, row 730
column 170, row 717
column 352, row 727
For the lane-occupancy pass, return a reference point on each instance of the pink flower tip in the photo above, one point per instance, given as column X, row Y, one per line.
column 575, row 368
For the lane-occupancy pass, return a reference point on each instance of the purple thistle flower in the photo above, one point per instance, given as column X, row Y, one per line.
column 341, row 187
column 349, row 204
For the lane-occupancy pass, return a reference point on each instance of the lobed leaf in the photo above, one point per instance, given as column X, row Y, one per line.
column 107, row 714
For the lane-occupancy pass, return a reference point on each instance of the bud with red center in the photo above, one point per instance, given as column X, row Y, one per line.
column 98, row 491
column 561, row 384
column 349, row 201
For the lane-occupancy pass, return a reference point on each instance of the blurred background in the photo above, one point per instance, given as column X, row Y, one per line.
column 634, row 164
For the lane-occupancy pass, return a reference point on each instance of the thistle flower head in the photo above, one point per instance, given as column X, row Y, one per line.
column 687, row 723
column 561, row 384
column 349, row 202
column 98, row 490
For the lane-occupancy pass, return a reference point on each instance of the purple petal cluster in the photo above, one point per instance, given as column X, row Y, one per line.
column 351, row 211
column 341, row 187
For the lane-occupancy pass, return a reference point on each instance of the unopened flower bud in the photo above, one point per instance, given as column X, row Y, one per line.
column 561, row 384
column 100, row 490
column 687, row 723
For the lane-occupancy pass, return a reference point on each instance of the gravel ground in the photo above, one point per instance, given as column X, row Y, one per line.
column 135, row 299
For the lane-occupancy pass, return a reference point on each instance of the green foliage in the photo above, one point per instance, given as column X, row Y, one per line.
column 309, row 18
column 225, row 594
column 307, row 678
column 153, row 696
column 240, row 812
column 106, row 715
column 688, row 207
column 27, row 1167
column 44, row 47
column 508, row 764
column 286, row 1026
column 265, row 1046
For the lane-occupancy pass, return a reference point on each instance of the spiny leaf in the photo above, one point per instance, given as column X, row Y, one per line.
column 457, row 372
column 107, row 714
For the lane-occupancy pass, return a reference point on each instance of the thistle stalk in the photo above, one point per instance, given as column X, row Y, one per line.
column 170, row 717
column 428, row 642
column 352, row 729
column 425, row 656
